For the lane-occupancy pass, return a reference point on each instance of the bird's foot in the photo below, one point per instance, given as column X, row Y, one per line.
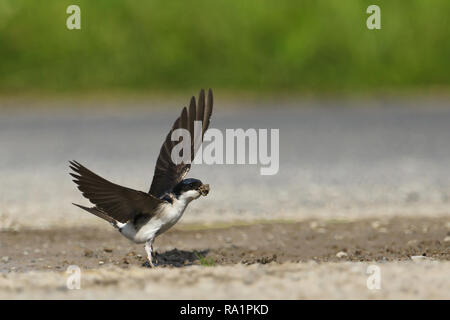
column 149, row 264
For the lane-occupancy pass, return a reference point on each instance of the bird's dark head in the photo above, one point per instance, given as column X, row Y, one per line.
column 191, row 189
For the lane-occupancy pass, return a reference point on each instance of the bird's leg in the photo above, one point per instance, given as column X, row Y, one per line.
column 154, row 255
column 149, row 250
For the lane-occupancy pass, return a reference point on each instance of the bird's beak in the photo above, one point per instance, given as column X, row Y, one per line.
column 204, row 189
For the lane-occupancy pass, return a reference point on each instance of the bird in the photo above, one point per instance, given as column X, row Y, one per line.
column 142, row 216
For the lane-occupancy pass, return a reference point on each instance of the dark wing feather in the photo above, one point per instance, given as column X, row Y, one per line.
column 168, row 174
column 118, row 202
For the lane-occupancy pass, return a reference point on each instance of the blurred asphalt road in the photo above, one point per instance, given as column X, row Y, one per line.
column 336, row 161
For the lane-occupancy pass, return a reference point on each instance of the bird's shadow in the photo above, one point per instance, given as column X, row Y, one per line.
column 177, row 258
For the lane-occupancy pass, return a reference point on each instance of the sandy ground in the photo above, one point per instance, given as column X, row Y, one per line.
column 312, row 259
column 405, row 280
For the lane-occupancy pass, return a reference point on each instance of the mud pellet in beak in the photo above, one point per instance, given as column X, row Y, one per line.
column 204, row 189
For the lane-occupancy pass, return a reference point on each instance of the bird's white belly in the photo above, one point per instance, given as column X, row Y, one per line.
column 158, row 224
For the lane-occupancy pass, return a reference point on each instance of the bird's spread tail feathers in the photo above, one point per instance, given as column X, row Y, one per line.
column 99, row 213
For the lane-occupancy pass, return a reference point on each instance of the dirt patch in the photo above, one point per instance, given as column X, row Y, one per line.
column 321, row 241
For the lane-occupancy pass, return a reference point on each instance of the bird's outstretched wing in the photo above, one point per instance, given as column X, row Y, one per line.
column 118, row 202
column 168, row 174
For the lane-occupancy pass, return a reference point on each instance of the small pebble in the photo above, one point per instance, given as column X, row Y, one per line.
column 341, row 254
column 101, row 262
column 420, row 258
column 447, row 239
column 88, row 253
column 5, row 259
column 313, row 224
column 376, row 224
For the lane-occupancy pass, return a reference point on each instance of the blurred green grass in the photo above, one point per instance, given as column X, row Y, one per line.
column 253, row 45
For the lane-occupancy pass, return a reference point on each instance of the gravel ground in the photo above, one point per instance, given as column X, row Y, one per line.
column 322, row 241
column 314, row 259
